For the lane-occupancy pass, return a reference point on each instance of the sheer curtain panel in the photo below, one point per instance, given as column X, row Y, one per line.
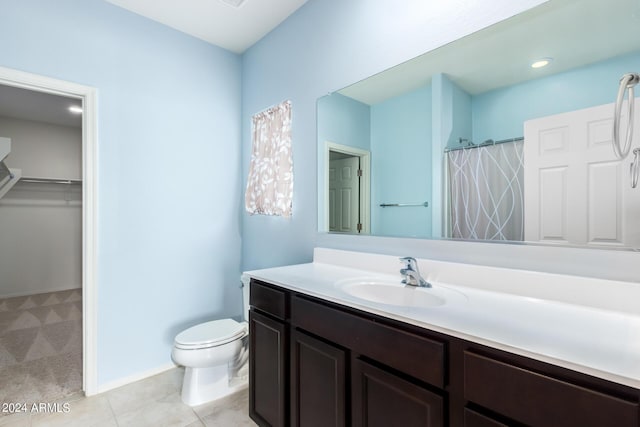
column 270, row 182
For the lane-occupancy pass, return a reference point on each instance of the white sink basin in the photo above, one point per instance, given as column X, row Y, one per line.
column 392, row 292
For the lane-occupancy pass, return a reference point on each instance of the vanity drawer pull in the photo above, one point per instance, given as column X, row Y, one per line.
column 415, row 355
column 268, row 299
column 539, row 400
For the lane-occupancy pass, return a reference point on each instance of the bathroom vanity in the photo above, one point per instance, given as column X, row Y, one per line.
column 320, row 356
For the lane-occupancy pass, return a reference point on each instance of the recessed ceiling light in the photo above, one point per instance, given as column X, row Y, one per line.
column 233, row 3
column 75, row 109
column 542, row 62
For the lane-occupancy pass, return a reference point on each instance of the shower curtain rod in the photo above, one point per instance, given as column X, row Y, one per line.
column 484, row 144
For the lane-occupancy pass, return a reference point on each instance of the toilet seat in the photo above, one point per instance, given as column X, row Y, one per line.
column 210, row 334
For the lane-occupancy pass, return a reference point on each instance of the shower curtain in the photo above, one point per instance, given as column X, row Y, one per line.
column 486, row 192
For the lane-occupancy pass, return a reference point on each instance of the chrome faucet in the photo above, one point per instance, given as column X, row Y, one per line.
column 411, row 273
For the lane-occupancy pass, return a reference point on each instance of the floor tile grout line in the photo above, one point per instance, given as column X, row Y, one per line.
column 113, row 413
column 199, row 417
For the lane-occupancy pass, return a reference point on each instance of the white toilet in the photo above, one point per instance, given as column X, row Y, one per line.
column 214, row 355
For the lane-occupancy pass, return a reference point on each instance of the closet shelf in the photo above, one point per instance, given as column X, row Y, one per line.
column 8, row 176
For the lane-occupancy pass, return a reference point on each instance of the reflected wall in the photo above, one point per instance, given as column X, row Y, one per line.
column 409, row 133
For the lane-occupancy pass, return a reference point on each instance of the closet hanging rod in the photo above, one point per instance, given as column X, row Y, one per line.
column 403, row 205
column 50, row 181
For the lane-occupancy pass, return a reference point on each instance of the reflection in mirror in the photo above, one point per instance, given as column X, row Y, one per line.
column 347, row 189
column 500, row 150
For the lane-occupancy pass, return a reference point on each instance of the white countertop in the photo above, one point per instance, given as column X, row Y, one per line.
column 565, row 328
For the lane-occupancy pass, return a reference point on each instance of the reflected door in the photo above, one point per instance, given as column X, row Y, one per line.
column 344, row 195
column 576, row 190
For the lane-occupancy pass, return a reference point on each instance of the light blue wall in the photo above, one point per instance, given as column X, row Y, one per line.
column 401, row 164
column 169, row 167
column 322, row 47
column 451, row 108
column 341, row 120
column 455, row 106
column 345, row 121
column 500, row 114
column 398, row 134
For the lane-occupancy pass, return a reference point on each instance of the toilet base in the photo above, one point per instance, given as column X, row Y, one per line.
column 203, row 385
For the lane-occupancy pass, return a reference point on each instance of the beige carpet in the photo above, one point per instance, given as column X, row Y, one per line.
column 40, row 347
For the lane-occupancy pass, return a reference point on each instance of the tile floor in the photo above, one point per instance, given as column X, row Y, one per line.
column 153, row 402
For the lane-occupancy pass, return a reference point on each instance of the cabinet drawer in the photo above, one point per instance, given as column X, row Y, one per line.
column 420, row 357
column 539, row 400
column 268, row 299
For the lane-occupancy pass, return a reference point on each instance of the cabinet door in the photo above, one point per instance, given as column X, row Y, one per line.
column 318, row 388
column 383, row 399
column 267, row 371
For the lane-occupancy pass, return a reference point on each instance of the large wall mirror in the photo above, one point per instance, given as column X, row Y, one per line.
column 474, row 141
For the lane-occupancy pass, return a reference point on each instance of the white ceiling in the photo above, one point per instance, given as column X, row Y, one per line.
column 37, row 106
column 573, row 32
column 214, row 21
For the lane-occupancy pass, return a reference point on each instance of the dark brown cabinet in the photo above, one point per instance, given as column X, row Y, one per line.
column 269, row 356
column 318, row 385
column 317, row 363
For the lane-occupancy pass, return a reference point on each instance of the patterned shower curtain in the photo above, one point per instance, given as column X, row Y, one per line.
column 486, row 192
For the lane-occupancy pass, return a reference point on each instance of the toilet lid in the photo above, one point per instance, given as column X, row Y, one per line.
column 209, row 334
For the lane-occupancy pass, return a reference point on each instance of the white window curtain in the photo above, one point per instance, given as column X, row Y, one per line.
column 486, row 192
column 270, row 182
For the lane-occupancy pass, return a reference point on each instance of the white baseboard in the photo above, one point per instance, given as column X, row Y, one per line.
column 135, row 377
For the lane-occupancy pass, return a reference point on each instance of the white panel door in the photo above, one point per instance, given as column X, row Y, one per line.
column 576, row 190
column 344, row 195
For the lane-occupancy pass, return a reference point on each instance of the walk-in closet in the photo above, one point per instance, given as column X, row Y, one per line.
column 40, row 246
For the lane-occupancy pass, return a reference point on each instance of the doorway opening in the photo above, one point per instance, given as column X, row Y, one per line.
column 48, row 303
column 347, row 189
